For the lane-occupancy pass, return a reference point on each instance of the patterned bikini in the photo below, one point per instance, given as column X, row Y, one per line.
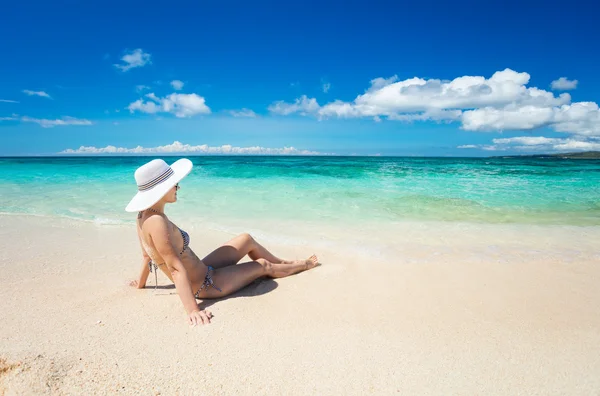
column 208, row 281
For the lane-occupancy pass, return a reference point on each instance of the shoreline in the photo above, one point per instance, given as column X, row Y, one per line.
column 422, row 240
column 446, row 324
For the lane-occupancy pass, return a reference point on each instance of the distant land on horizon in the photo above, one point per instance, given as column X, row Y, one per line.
column 576, row 155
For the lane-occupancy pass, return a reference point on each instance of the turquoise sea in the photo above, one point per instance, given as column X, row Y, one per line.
column 344, row 191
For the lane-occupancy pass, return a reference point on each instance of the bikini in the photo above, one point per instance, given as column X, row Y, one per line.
column 208, row 281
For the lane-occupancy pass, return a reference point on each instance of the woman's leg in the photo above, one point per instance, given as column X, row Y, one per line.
column 234, row 250
column 232, row 278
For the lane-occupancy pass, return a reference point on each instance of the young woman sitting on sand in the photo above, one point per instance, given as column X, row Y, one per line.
column 166, row 246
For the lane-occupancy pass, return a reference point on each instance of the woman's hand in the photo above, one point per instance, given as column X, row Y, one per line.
column 136, row 284
column 199, row 318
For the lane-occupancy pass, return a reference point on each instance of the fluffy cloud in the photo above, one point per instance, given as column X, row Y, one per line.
column 37, row 93
column 433, row 115
column 178, row 147
column 141, row 88
column 538, row 144
column 8, row 101
column 528, row 140
column 564, row 84
column 580, row 118
column 46, row 123
column 136, row 58
column 509, row 118
column 64, row 121
column 501, row 102
column 181, row 105
column 177, row 85
column 243, row 113
column 485, row 147
column 381, row 82
column 576, row 145
column 389, row 97
column 302, row 105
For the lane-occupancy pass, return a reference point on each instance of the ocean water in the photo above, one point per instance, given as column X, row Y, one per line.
column 285, row 197
column 336, row 189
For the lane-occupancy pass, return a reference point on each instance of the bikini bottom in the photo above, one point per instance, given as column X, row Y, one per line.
column 208, row 282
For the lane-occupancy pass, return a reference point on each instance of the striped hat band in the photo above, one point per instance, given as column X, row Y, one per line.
column 156, row 181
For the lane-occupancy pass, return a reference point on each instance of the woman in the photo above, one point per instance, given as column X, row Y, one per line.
column 165, row 246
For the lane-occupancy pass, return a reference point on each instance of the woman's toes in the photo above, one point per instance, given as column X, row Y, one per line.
column 312, row 261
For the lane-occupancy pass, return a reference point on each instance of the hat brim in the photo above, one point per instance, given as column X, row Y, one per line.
column 145, row 199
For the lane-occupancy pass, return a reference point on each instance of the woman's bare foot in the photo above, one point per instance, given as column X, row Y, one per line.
column 310, row 262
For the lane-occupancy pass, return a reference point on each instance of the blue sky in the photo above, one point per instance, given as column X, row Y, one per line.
column 321, row 77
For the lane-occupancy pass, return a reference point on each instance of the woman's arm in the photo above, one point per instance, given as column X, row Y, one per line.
column 141, row 283
column 145, row 271
column 159, row 231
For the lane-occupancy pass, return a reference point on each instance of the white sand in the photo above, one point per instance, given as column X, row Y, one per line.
column 514, row 321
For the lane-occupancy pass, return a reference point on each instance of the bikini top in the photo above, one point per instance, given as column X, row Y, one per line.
column 152, row 253
column 186, row 239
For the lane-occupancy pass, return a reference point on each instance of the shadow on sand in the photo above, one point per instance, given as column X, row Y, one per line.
column 256, row 288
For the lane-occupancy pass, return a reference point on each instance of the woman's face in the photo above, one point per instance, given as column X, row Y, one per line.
column 171, row 196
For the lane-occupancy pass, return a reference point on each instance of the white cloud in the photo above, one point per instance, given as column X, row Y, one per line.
column 492, row 148
column 302, row 105
column 177, row 85
column 144, row 107
column 528, row 140
column 8, row 101
column 37, row 93
column 564, row 84
column 136, row 58
column 416, row 95
column 326, row 87
column 580, row 118
column 537, row 144
column 381, row 82
column 45, row 123
column 12, row 117
column 433, row 115
column 152, row 96
column 243, row 113
column 509, row 118
column 140, row 88
column 486, row 147
column 336, row 108
column 178, row 147
column 181, row 105
column 501, row 102
column 576, row 145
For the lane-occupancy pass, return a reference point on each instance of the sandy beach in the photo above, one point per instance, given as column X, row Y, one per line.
column 440, row 159
column 512, row 321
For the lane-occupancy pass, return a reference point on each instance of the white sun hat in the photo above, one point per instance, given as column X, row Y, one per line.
column 154, row 180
